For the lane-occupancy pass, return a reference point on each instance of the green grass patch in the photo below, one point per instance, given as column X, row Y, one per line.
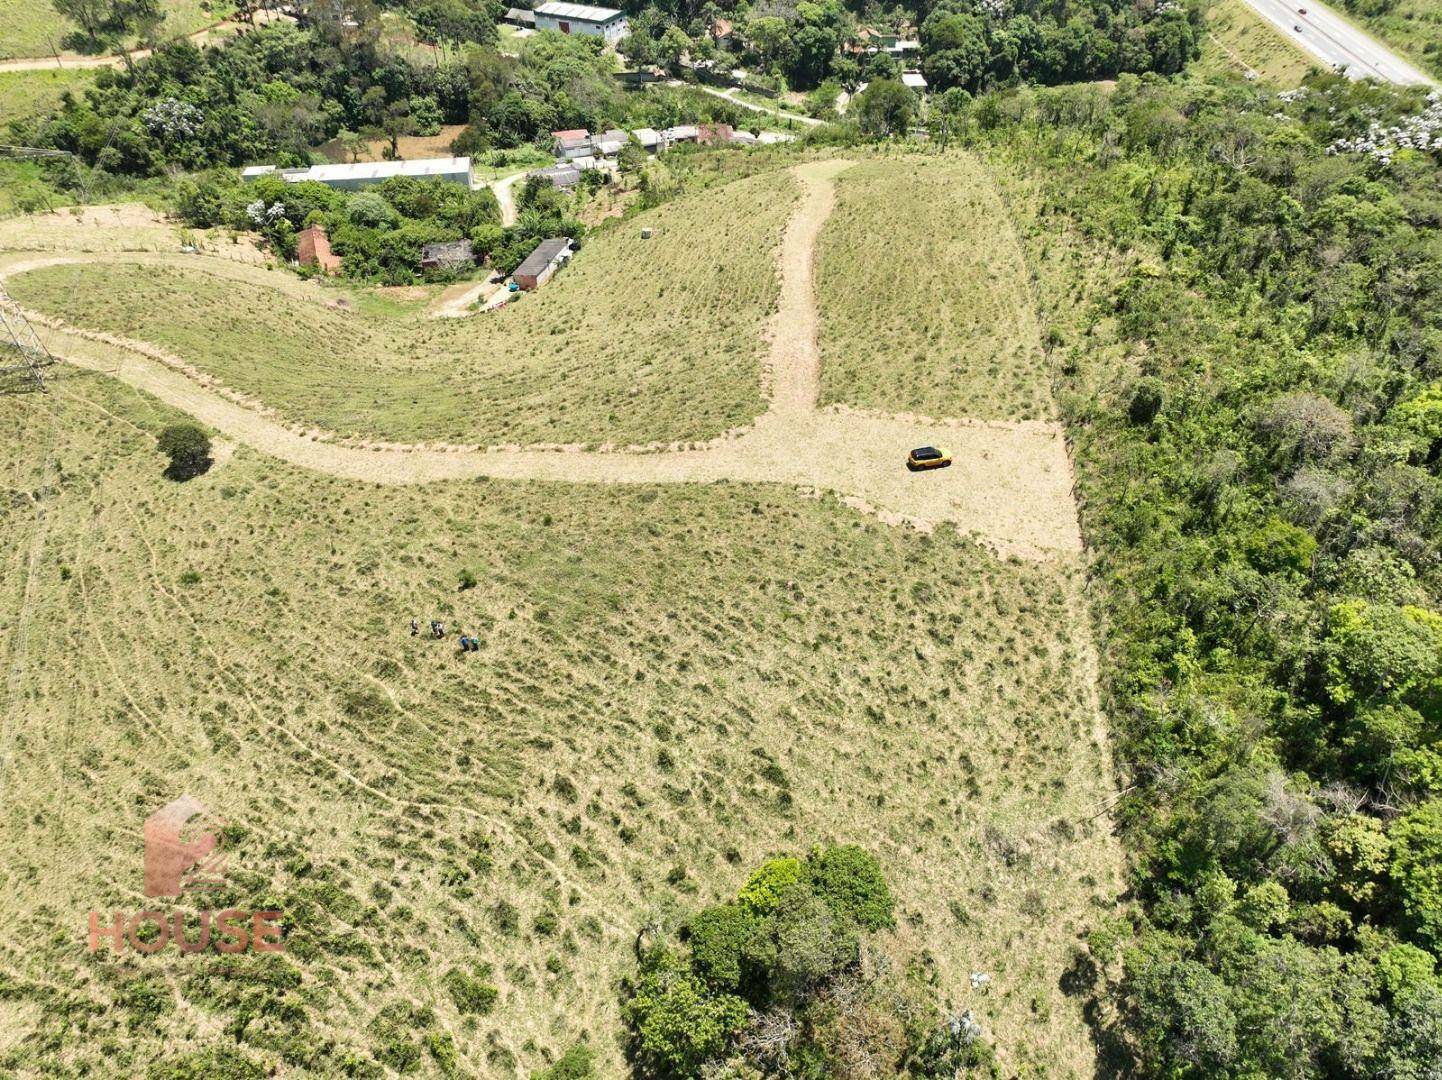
column 34, row 28
column 27, row 94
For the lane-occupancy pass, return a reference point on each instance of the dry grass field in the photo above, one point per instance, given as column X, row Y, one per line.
column 923, row 296
column 673, row 682
column 606, row 353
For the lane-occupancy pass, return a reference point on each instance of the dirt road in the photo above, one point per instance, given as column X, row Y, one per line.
column 116, row 60
column 502, row 188
column 729, row 95
column 1010, row 486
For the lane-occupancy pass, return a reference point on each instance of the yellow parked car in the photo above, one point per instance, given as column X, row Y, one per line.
column 928, row 457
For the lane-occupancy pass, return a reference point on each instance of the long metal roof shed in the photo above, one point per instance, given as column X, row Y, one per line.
column 561, row 10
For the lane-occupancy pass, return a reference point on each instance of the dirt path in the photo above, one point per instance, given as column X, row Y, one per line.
column 502, row 188
column 74, row 61
column 1010, row 486
column 729, row 95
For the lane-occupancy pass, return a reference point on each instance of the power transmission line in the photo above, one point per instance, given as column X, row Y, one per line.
column 23, row 356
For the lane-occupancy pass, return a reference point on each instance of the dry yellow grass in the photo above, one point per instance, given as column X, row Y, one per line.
column 674, row 681
column 923, row 296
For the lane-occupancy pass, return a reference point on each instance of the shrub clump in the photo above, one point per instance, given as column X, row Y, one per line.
column 187, row 447
column 774, row 984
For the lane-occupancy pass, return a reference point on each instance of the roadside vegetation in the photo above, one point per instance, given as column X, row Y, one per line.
column 1237, row 40
column 923, row 294
column 607, row 352
column 674, row 685
column 1412, row 27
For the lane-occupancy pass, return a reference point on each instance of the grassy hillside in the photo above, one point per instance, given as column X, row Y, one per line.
column 1238, row 41
column 924, row 298
column 672, row 684
column 25, row 94
column 35, row 28
column 638, row 341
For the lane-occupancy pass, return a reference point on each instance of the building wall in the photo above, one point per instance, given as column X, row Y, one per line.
column 527, row 283
column 359, row 184
column 612, row 31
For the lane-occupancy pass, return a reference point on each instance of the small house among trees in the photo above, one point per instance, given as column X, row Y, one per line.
column 312, row 248
column 450, row 255
column 548, row 257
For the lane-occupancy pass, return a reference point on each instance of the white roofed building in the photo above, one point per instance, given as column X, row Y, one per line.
column 606, row 23
column 365, row 173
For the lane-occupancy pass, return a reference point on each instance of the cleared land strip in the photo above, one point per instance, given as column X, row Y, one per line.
column 1010, row 486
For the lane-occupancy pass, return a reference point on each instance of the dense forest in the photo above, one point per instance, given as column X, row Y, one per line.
column 1256, row 410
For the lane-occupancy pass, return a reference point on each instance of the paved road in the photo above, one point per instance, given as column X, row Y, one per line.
column 1334, row 41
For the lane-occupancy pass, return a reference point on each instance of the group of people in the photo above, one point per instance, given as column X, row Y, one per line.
column 438, row 631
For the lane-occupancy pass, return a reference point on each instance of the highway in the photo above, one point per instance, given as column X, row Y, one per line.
column 1334, row 41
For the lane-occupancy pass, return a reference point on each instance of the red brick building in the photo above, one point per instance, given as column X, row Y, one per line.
column 312, row 248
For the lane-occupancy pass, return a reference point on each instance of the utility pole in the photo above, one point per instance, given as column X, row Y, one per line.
column 23, row 356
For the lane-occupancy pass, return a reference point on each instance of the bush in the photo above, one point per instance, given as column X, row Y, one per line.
column 720, row 938
column 188, row 448
column 783, row 964
column 1146, row 402
column 679, row 1025
column 577, row 1063
column 850, row 881
column 759, row 895
column 467, row 580
column 471, row 993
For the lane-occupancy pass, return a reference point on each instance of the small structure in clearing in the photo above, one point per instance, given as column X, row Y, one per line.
column 448, row 255
column 549, row 256
column 584, row 19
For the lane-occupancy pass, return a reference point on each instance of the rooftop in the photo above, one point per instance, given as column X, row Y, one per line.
column 559, row 10
column 370, row 170
column 542, row 256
